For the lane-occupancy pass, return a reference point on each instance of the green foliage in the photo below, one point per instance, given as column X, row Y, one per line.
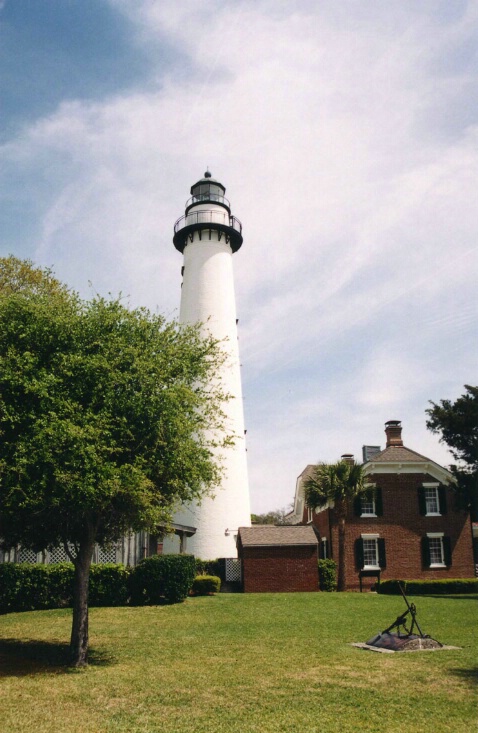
column 327, row 575
column 428, row 587
column 208, row 567
column 338, row 482
column 102, row 417
column 205, row 585
column 457, row 424
column 109, row 585
column 109, row 418
column 23, row 278
column 162, row 579
column 277, row 517
column 32, row 587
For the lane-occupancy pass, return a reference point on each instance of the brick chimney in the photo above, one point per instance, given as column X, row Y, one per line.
column 393, row 431
column 347, row 458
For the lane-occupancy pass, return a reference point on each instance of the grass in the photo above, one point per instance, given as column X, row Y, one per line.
column 241, row 663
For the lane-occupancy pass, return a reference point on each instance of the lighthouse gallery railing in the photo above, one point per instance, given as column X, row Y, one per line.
column 208, row 217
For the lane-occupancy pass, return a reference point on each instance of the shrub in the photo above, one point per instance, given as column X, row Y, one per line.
column 31, row 587
column 208, row 567
column 204, row 585
column 109, row 585
column 428, row 587
column 327, row 575
column 158, row 579
column 162, row 579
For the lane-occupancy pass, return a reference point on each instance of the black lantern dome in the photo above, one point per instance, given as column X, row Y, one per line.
column 199, row 217
column 208, row 189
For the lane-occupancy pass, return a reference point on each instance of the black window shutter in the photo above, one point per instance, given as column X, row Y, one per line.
column 378, row 502
column 358, row 505
column 359, row 553
column 442, row 499
column 422, row 506
column 447, row 550
column 382, row 560
column 426, row 552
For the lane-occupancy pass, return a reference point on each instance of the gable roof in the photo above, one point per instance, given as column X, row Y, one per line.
column 398, row 454
column 268, row 534
column 398, row 458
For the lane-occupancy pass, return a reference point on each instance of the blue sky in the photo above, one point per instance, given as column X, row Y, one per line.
column 346, row 135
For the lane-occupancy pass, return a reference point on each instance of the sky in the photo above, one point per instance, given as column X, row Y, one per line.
column 346, row 134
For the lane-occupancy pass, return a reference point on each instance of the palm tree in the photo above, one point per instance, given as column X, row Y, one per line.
column 339, row 483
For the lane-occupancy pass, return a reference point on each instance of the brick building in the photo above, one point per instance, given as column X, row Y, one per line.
column 278, row 559
column 408, row 526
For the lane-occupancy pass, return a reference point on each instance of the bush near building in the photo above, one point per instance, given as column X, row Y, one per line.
column 428, row 587
column 162, row 579
column 327, row 575
column 206, row 585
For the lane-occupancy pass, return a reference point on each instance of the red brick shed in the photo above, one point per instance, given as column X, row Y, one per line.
column 278, row 559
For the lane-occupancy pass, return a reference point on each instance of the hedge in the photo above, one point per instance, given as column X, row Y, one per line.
column 162, row 579
column 327, row 575
column 208, row 567
column 205, row 585
column 428, row 587
column 155, row 580
column 109, row 585
column 33, row 587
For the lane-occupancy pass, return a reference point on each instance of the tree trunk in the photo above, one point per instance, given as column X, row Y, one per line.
column 79, row 629
column 340, row 510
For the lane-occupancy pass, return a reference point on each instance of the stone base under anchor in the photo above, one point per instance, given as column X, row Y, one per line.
column 391, row 643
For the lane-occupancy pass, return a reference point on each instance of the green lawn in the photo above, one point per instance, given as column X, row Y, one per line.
column 242, row 663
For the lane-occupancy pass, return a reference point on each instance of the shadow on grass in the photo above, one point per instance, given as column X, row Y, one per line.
column 29, row 657
column 469, row 675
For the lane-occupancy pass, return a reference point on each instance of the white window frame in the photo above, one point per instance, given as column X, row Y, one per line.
column 432, row 487
column 437, row 536
column 371, row 538
column 369, row 487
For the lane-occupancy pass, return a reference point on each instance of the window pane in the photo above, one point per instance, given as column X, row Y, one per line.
column 431, row 499
column 370, row 552
column 436, row 551
column 367, row 505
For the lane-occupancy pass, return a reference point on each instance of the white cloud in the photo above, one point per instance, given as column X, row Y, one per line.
column 330, row 125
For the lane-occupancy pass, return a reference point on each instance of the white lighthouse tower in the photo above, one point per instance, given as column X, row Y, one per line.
column 208, row 235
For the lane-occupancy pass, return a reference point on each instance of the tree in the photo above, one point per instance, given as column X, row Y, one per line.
column 273, row 517
column 457, row 424
column 22, row 277
column 339, row 483
column 109, row 418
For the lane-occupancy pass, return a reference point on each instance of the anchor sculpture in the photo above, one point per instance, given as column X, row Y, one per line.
column 405, row 639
